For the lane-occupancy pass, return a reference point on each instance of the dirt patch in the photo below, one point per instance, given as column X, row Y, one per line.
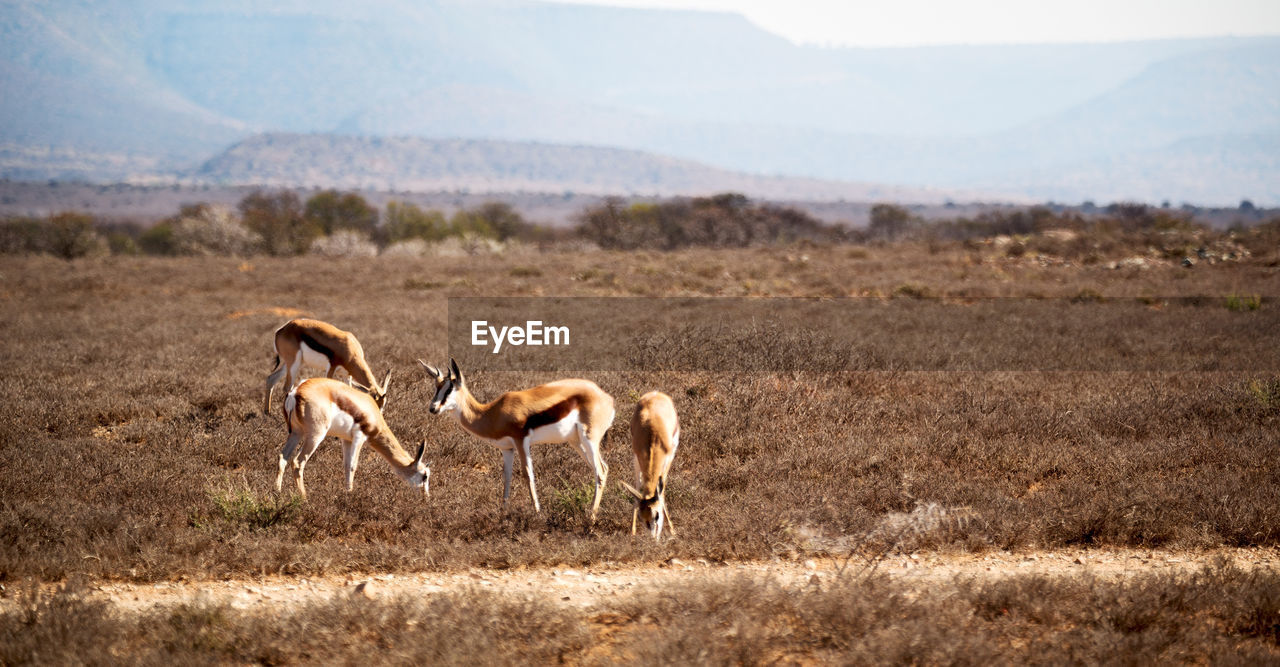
column 589, row 588
column 275, row 310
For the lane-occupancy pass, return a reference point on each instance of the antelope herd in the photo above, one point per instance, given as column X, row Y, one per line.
column 570, row 411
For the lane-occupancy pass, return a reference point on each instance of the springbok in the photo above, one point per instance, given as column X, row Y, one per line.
column 321, row 407
column 320, row 345
column 570, row 411
column 655, row 435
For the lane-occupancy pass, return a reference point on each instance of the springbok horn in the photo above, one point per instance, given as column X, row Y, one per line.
column 430, row 369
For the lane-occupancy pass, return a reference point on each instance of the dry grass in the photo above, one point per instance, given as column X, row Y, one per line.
column 448, row 629
column 1211, row 615
column 131, row 444
column 1216, row 615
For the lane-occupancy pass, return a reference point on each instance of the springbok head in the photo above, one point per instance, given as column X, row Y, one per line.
column 651, row 510
column 378, row 394
column 447, row 386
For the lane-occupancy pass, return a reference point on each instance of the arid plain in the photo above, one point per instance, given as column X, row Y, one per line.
column 135, row 456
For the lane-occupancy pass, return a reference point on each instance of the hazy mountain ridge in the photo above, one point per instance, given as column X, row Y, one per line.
column 416, row 164
column 68, row 85
column 148, row 86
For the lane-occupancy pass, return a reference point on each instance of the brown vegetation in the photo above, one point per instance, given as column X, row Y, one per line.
column 1216, row 614
column 132, row 448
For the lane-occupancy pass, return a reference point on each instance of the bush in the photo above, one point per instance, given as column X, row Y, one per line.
column 121, row 243
column 503, row 221
column 213, row 230
column 469, row 224
column 158, row 240
column 65, row 235
column 406, row 221
column 331, row 211
column 1237, row 303
column 72, row 235
column 726, row 220
column 21, row 236
column 278, row 218
column 406, row 248
column 889, row 222
column 121, row 237
column 460, row 246
column 345, row 243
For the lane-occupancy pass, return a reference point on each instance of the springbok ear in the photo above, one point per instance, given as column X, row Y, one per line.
column 631, row 490
column 662, row 485
column 422, row 449
column 432, row 371
column 359, row 386
column 386, row 380
column 456, row 374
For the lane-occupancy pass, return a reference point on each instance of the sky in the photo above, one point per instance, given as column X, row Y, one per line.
column 871, row 23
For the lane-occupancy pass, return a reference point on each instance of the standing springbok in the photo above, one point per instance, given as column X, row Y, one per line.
column 320, row 345
column 570, row 411
column 321, row 407
column 655, row 435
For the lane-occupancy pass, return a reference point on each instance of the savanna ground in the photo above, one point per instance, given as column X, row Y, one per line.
column 134, row 453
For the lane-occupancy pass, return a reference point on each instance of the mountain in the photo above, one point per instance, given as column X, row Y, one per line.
column 137, row 89
column 1228, row 168
column 72, row 89
column 426, row 165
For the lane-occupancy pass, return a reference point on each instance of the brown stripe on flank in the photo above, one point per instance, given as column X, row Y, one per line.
column 315, row 345
column 358, row 414
column 552, row 414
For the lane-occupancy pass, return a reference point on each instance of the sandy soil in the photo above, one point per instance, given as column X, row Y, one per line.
column 589, row 587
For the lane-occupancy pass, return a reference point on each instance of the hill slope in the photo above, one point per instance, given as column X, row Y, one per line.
column 127, row 89
column 414, row 164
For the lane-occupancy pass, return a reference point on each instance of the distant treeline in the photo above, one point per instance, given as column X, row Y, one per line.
column 279, row 223
column 723, row 221
column 334, row 223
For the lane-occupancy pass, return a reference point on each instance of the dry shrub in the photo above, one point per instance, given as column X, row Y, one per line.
column 60, row 627
column 720, row 221
column 406, row 248
column 344, row 243
column 446, row 629
column 63, row 235
column 1217, row 612
column 452, row 246
column 929, row 525
column 213, row 230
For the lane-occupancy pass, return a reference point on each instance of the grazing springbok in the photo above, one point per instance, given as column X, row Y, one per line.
column 320, row 345
column 321, row 407
column 570, row 411
column 655, row 434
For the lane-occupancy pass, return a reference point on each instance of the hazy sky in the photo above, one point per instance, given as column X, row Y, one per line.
column 915, row 22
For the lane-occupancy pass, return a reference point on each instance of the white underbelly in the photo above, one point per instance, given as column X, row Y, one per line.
column 342, row 425
column 313, row 358
column 561, row 431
